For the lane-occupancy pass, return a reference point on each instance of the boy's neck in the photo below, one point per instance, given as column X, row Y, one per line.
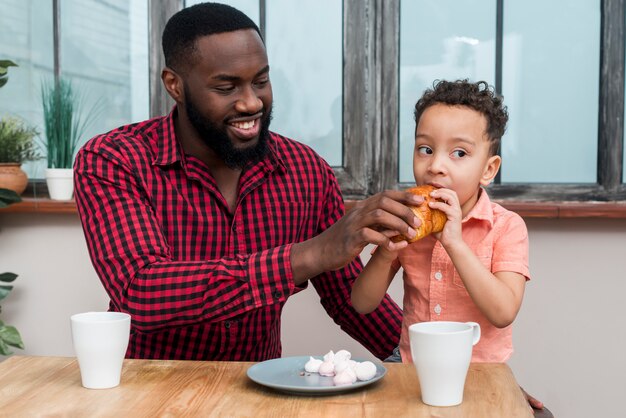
column 467, row 207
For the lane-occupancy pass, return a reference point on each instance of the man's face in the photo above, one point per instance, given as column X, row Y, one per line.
column 228, row 96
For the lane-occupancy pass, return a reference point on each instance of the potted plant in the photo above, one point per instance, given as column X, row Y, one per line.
column 17, row 145
column 20, row 149
column 4, row 68
column 64, row 126
column 9, row 335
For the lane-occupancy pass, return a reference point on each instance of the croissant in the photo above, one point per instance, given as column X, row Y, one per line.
column 433, row 220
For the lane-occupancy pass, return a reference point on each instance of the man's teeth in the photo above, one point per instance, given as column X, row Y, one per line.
column 243, row 125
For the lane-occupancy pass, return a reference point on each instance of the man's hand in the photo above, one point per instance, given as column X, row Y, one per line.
column 372, row 221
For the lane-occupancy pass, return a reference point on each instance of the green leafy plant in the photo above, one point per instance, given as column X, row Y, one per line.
column 4, row 69
column 9, row 335
column 7, row 197
column 64, row 122
column 17, row 141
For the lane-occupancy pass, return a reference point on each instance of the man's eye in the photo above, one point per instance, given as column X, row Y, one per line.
column 225, row 89
column 263, row 82
column 424, row 150
column 459, row 153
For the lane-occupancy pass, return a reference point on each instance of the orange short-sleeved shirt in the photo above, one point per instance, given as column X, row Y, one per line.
column 434, row 291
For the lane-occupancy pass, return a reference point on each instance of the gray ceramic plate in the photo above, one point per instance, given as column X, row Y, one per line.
column 287, row 375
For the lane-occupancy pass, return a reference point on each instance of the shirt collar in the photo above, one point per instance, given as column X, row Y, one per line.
column 482, row 209
column 167, row 149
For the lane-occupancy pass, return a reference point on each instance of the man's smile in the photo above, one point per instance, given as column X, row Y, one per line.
column 245, row 129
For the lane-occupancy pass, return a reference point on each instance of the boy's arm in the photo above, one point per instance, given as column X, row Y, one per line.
column 498, row 296
column 370, row 287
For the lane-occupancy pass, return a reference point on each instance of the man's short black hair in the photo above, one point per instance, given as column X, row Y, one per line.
column 478, row 96
column 189, row 24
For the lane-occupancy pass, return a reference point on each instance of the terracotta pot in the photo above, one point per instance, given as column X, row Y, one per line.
column 12, row 177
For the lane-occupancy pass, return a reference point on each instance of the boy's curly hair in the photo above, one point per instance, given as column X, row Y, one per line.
column 478, row 96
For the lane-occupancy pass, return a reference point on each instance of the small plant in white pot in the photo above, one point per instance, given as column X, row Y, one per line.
column 64, row 126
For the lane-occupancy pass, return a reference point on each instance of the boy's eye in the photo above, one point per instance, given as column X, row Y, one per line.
column 459, row 153
column 424, row 150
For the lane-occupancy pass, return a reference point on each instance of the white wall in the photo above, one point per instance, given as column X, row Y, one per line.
column 569, row 337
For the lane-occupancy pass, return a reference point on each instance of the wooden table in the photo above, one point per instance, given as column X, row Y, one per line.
column 50, row 386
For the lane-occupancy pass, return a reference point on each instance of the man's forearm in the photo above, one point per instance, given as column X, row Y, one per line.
column 306, row 262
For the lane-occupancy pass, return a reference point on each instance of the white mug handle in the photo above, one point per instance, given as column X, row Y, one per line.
column 475, row 332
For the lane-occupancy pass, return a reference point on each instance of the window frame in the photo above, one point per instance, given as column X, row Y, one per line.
column 371, row 30
column 609, row 186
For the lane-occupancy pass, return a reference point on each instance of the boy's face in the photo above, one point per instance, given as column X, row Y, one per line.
column 452, row 151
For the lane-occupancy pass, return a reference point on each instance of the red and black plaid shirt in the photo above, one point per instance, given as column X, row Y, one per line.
column 202, row 282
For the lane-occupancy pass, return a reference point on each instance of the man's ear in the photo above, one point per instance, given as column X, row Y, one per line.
column 491, row 169
column 173, row 83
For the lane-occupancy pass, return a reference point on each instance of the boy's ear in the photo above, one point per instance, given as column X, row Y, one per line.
column 491, row 169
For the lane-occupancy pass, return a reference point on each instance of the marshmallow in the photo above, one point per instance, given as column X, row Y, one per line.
column 343, row 378
column 327, row 368
column 342, row 355
column 313, row 365
column 365, row 370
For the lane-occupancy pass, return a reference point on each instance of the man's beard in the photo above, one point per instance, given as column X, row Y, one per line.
column 218, row 140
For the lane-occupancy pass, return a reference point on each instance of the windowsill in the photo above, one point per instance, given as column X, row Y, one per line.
column 561, row 210
column 41, row 205
column 35, row 199
column 613, row 210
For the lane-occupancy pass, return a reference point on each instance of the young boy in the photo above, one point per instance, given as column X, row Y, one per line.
column 476, row 268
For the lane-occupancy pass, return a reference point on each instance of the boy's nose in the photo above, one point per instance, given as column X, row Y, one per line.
column 437, row 165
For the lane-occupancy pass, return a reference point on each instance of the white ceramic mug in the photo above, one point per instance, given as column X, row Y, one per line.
column 442, row 352
column 100, row 340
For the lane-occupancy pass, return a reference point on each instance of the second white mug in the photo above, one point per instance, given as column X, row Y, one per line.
column 442, row 352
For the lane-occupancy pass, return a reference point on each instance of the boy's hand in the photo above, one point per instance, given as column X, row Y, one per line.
column 386, row 254
column 449, row 204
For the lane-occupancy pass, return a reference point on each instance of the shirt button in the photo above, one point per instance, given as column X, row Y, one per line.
column 235, row 227
column 438, row 309
column 277, row 294
column 438, row 275
column 227, row 324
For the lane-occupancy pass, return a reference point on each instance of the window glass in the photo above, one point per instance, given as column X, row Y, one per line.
column 110, row 72
column 550, row 84
column 304, row 42
column 440, row 39
column 104, row 52
column 26, row 39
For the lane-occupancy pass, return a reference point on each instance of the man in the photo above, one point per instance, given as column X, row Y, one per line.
column 202, row 223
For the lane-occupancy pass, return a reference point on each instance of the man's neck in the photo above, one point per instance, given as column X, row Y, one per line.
column 226, row 178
